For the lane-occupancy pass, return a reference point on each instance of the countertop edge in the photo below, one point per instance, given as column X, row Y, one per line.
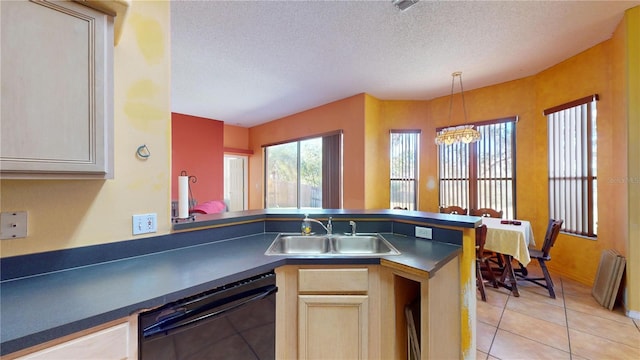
column 430, row 268
column 203, row 221
column 52, row 334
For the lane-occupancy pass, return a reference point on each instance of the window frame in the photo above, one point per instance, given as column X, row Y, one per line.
column 331, row 168
column 579, row 219
column 413, row 167
column 467, row 173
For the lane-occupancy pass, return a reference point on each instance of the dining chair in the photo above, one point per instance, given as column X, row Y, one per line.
column 453, row 210
column 482, row 263
column 543, row 255
column 486, row 212
column 481, row 239
column 490, row 255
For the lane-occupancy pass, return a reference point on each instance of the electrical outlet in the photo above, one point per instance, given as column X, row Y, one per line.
column 145, row 223
column 423, row 232
column 13, row 225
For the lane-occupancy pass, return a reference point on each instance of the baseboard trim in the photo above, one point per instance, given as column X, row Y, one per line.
column 633, row 314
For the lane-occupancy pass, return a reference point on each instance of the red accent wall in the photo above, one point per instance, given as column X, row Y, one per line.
column 197, row 148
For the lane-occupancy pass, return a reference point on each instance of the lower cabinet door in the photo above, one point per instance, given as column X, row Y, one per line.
column 113, row 343
column 333, row 326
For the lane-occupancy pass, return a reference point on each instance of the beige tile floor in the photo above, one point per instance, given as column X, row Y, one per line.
column 535, row 326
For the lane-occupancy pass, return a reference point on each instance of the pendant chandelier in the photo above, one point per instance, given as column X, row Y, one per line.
column 462, row 133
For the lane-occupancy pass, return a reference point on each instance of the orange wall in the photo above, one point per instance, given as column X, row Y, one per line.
column 612, row 188
column 503, row 100
column 603, row 69
column 391, row 115
column 197, row 148
column 376, row 157
column 236, row 137
column 628, row 82
column 367, row 158
column 346, row 115
column 584, row 74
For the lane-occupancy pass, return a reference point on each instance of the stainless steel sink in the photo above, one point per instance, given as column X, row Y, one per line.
column 361, row 244
column 299, row 244
column 331, row 245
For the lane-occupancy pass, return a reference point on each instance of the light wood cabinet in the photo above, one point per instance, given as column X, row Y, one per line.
column 438, row 295
column 113, row 341
column 358, row 312
column 327, row 312
column 57, row 90
column 332, row 326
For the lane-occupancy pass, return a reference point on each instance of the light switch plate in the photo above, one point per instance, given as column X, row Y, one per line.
column 145, row 223
column 13, row 225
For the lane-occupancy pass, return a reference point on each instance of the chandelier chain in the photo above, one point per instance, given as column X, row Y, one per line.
column 462, row 133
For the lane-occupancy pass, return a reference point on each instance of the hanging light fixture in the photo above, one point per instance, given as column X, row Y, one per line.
column 403, row 5
column 462, row 133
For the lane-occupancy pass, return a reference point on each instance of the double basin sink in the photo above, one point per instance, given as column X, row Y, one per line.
column 331, row 245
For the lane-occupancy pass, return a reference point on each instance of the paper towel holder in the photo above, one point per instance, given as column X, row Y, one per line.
column 175, row 218
column 192, row 179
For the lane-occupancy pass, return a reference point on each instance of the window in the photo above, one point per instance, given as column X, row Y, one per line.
column 403, row 161
column 304, row 173
column 572, row 165
column 481, row 174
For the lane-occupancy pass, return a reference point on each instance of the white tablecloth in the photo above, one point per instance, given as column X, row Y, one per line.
column 509, row 239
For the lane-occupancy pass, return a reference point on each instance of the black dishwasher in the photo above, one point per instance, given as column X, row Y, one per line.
column 234, row 321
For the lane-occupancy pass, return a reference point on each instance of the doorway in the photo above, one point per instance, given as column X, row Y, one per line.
column 236, row 182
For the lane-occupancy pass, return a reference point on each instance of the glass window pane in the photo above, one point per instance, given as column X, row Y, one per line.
column 480, row 175
column 293, row 174
column 403, row 159
column 454, row 175
column 282, row 175
column 311, row 173
column 572, row 171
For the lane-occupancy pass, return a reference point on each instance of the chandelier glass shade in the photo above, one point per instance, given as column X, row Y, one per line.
column 461, row 133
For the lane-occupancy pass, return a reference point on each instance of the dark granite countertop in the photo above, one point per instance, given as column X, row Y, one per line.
column 39, row 308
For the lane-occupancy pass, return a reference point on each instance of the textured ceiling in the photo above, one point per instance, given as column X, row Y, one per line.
column 250, row 62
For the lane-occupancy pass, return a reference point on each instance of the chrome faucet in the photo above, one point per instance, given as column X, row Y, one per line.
column 353, row 227
column 328, row 228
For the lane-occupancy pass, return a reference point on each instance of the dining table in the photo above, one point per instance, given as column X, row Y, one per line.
column 511, row 239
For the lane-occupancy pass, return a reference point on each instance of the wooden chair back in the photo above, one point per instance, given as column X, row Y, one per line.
column 453, row 210
column 486, row 212
column 481, row 239
column 553, row 229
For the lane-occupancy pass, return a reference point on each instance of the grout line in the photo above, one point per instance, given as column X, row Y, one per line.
column 532, row 339
column 498, row 325
column 537, row 340
column 560, row 287
column 566, row 318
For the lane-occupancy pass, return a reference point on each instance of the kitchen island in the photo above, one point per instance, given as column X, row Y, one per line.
column 45, row 297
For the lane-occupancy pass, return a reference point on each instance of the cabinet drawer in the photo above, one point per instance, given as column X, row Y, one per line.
column 341, row 281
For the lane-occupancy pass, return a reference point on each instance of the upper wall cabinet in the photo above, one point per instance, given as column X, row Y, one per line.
column 57, row 91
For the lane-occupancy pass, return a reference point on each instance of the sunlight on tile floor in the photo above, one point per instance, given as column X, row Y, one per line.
column 535, row 326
